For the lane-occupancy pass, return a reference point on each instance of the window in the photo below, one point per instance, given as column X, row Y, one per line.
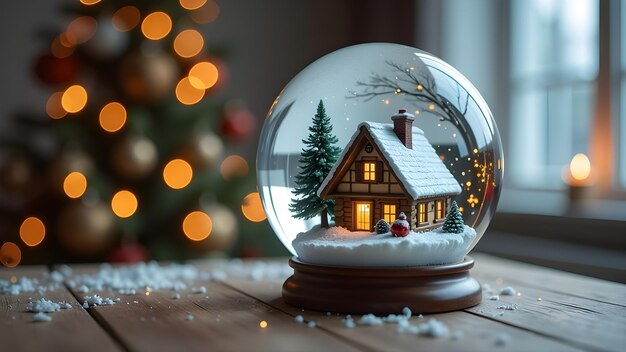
column 421, row 213
column 369, row 171
column 554, row 66
column 389, row 213
column 439, row 211
column 363, row 216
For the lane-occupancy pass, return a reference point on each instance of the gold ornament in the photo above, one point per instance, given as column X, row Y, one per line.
column 224, row 231
column 134, row 157
column 204, row 150
column 148, row 78
column 86, row 230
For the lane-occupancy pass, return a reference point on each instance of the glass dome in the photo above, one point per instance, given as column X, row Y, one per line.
column 372, row 82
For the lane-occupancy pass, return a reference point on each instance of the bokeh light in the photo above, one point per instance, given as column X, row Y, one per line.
column 75, row 184
column 192, row 4
column 197, row 225
column 188, row 94
column 80, row 30
column 124, row 204
column 112, row 117
column 203, row 75
column 74, row 99
column 207, row 13
column 54, row 109
column 177, row 173
column 32, row 231
column 580, row 167
column 89, row 2
column 10, row 254
column 188, row 43
column 263, row 324
column 156, row 25
column 126, row 18
column 252, row 208
column 59, row 49
column 234, row 166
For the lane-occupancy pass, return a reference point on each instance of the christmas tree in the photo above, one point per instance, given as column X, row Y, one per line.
column 316, row 160
column 382, row 227
column 133, row 158
column 454, row 220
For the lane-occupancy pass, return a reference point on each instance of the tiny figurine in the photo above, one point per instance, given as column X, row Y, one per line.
column 400, row 227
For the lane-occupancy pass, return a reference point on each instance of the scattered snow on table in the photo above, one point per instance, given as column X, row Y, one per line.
column 508, row 306
column 508, row 291
column 338, row 246
column 95, row 300
column 189, row 317
column 43, row 305
column 299, row 319
column 200, row 289
column 494, row 298
column 176, row 296
column 311, row 324
column 26, row 284
column 370, row 320
column 41, row 317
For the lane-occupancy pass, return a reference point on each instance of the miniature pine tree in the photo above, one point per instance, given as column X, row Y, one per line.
column 454, row 220
column 317, row 158
column 382, row 227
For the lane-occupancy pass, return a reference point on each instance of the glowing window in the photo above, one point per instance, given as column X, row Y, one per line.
column 389, row 213
column 439, row 209
column 421, row 212
column 363, row 216
column 369, row 171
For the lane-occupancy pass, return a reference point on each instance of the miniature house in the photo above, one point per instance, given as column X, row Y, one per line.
column 386, row 169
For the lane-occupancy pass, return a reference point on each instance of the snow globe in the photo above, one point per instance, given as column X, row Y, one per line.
column 379, row 167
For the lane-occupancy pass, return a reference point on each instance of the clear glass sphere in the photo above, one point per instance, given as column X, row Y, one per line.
column 372, row 82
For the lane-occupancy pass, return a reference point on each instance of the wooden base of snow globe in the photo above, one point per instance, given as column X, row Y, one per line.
column 424, row 289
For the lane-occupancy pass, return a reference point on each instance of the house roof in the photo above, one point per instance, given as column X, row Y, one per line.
column 420, row 170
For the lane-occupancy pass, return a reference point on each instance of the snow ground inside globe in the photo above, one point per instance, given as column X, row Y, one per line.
column 338, row 246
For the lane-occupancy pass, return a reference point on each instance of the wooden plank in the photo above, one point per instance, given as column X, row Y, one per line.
column 70, row 329
column 588, row 323
column 479, row 334
column 551, row 280
column 225, row 321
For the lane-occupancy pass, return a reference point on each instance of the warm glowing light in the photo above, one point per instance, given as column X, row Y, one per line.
column 75, row 184
column 10, row 254
column 206, row 13
column 234, row 166
column 263, row 324
column 191, row 4
column 156, row 25
column 54, row 108
column 197, row 226
column 126, row 18
column 177, row 173
column 580, row 167
column 431, row 107
column 252, row 208
column 420, row 87
column 58, row 49
column 203, row 75
column 89, row 2
column 472, row 200
column 188, row 43
column 80, row 30
column 74, row 99
column 112, row 117
column 187, row 94
column 32, row 231
column 475, row 151
column 124, row 204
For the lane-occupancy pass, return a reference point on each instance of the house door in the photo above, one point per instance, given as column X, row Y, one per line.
column 363, row 216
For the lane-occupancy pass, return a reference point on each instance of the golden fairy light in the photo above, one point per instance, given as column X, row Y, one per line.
column 580, row 167
column 126, row 18
column 206, row 13
column 197, row 225
column 54, row 109
column 431, row 106
column 177, row 174
column 156, row 25
column 472, row 200
column 234, row 166
column 112, row 117
column 59, row 49
column 74, row 99
column 192, row 4
column 203, row 75
column 10, row 254
column 263, row 324
column 89, row 2
column 80, row 30
column 252, row 208
column 186, row 93
column 419, row 87
column 124, row 204
column 32, row 231
column 188, row 43
column 75, row 184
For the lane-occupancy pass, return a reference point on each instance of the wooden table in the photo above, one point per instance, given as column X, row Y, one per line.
column 557, row 311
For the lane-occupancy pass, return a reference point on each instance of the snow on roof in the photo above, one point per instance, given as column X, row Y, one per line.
column 420, row 170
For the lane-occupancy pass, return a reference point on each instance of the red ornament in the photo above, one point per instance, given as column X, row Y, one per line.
column 238, row 123
column 53, row 70
column 400, row 227
column 132, row 252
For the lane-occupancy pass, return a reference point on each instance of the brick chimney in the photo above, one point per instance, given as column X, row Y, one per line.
column 403, row 127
